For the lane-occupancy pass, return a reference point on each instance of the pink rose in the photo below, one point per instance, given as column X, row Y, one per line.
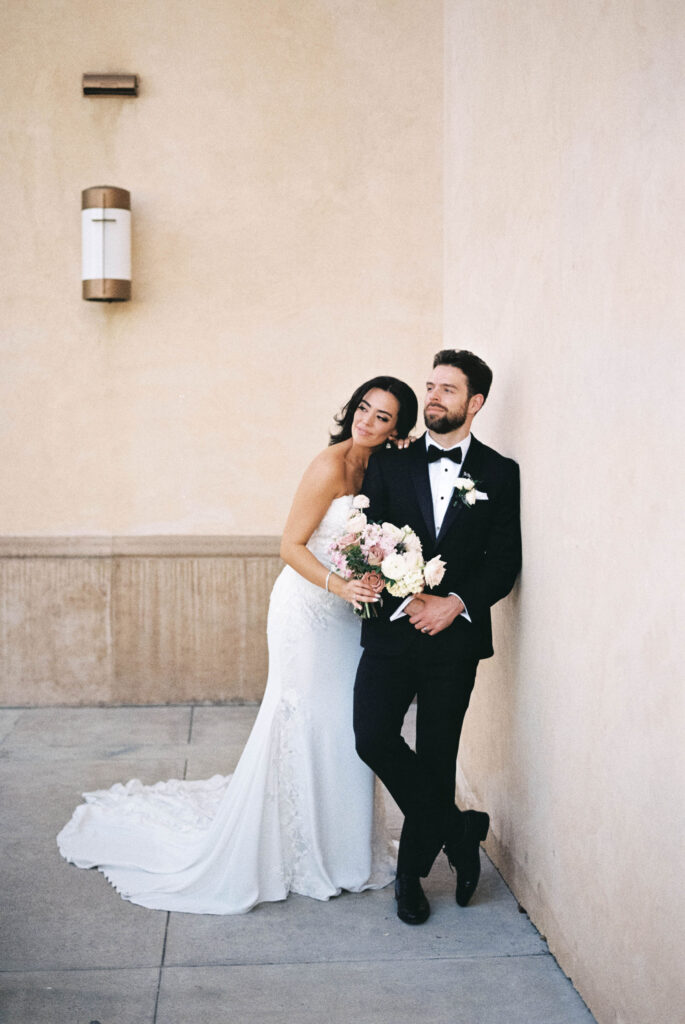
column 349, row 538
column 374, row 580
column 375, row 554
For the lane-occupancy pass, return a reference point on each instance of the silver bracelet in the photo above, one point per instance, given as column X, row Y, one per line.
column 327, row 579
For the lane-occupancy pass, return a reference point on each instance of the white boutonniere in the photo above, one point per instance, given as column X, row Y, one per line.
column 467, row 492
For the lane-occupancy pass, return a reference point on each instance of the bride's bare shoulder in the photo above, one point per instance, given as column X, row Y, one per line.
column 327, row 469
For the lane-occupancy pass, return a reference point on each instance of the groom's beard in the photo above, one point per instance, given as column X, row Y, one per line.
column 443, row 422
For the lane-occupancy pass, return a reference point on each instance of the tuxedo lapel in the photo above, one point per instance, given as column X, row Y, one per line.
column 421, row 481
column 470, row 467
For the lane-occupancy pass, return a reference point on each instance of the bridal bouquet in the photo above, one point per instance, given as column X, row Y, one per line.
column 385, row 556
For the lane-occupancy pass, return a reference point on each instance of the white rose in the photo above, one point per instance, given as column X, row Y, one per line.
column 361, row 501
column 466, row 483
column 470, row 497
column 394, row 567
column 392, row 532
column 356, row 522
column 434, row 571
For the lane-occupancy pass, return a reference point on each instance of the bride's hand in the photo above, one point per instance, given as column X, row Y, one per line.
column 403, row 442
column 357, row 593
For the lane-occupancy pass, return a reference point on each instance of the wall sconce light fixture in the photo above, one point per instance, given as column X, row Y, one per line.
column 106, row 243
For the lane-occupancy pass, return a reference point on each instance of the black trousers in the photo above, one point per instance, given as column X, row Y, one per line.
column 422, row 781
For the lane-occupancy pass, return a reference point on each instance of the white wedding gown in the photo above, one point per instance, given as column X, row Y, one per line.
column 298, row 814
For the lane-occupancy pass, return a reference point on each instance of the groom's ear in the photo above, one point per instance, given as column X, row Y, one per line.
column 475, row 403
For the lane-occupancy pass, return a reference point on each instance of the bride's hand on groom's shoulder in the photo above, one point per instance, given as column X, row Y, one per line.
column 402, row 442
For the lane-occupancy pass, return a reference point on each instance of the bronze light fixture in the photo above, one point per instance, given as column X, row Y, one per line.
column 106, row 243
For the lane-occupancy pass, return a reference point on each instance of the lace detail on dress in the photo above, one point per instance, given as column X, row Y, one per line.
column 293, row 838
column 330, row 527
column 181, row 805
column 383, row 848
column 305, row 605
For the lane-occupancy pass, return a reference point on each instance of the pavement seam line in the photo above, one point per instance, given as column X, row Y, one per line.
column 276, row 963
column 377, row 960
column 161, row 967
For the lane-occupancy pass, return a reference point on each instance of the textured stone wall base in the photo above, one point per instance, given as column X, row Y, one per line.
column 137, row 620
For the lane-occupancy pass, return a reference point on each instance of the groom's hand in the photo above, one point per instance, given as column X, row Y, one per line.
column 431, row 614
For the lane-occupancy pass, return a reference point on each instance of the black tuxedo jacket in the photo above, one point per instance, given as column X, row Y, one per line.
column 481, row 544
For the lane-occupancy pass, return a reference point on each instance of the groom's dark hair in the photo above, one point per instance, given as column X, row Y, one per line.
column 478, row 374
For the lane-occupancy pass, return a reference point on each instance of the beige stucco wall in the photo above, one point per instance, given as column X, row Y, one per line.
column 564, row 256
column 285, row 167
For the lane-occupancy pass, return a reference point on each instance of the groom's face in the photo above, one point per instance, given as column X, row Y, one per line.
column 447, row 404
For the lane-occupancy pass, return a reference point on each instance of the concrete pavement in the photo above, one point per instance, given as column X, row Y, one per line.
column 73, row 952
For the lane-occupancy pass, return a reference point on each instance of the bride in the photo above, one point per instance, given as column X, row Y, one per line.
column 298, row 814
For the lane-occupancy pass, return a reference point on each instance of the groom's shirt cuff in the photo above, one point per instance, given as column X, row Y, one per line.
column 400, row 613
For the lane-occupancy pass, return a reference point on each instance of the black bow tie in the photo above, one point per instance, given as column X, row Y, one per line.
column 437, row 453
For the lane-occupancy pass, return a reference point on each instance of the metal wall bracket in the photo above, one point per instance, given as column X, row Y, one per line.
column 110, row 85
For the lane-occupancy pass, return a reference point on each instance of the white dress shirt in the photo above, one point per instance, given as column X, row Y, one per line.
column 443, row 474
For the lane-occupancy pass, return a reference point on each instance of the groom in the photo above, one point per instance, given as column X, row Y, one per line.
column 429, row 646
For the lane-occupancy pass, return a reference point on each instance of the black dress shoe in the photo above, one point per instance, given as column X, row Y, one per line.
column 412, row 905
column 464, row 854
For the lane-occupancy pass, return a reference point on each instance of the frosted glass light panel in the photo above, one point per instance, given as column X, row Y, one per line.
column 106, row 243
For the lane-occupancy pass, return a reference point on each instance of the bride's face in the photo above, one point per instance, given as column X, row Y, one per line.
column 375, row 418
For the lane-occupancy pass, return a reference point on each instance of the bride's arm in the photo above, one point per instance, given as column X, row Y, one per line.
column 318, row 488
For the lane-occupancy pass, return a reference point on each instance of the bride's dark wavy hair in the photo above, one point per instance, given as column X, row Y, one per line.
column 406, row 416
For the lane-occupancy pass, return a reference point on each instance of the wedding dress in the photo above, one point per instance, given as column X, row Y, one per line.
column 299, row 814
